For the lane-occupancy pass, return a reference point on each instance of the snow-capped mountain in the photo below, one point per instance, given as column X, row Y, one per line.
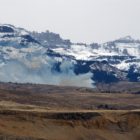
column 47, row 58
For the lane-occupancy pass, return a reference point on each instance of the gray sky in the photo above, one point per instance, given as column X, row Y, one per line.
column 78, row 20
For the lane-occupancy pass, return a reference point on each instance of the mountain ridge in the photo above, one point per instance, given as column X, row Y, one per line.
column 47, row 58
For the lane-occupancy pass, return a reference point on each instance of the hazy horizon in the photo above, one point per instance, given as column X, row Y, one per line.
column 78, row 20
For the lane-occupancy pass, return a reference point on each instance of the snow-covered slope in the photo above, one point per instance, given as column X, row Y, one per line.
column 125, row 47
column 84, row 52
column 47, row 58
column 122, row 47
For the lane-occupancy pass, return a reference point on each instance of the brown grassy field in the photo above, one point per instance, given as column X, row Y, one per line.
column 94, row 125
column 31, row 112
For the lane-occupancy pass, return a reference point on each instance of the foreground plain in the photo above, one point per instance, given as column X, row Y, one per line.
column 31, row 112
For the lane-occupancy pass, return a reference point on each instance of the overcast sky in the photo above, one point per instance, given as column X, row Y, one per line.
column 78, row 20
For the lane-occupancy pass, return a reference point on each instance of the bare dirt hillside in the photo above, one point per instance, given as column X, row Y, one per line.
column 42, row 112
column 71, row 98
column 102, row 125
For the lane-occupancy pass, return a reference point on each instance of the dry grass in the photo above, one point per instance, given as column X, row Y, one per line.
column 31, row 112
column 100, row 125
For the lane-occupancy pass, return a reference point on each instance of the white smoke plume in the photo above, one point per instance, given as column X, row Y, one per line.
column 29, row 71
